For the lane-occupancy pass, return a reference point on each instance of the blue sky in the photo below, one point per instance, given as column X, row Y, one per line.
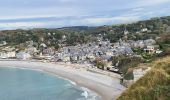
column 60, row 13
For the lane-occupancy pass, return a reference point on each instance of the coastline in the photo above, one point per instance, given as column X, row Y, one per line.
column 107, row 87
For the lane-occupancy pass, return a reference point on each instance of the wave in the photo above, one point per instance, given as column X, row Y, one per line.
column 89, row 95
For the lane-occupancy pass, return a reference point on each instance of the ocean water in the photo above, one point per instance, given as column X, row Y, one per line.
column 24, row 84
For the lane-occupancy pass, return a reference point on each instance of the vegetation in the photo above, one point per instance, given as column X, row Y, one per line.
column 155, row 85
column 51, row 37
column 137, row 50
column 164, row 41
column 83, row 34
column 100, row 63
column 125, row 64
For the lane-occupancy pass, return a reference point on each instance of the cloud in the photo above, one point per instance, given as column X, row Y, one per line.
column 137, row 9
column 49, row 22
column 59, row 13
column 22, row 25
column 150, row 2
column 111, row 20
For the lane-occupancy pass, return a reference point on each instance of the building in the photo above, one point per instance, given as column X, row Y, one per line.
column 3, row 43
column 158, row 51
column 32, row 50
column 126, row 32
column 150, row 49
column 144, row 30
column 66, row 59
column 23, row 56
column 9, row 54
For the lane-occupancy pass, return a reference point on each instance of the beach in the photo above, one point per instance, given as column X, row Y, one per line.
column 107, row 87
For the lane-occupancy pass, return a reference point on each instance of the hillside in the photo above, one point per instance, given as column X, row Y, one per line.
column 155, row 85
column 141, row 30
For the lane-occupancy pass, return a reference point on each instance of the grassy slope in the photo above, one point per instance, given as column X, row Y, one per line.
column 155, row 85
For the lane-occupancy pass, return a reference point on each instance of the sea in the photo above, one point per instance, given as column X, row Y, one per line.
column 25, row 84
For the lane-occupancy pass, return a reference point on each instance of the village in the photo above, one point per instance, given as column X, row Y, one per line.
column 81, row 53
column 96, row 56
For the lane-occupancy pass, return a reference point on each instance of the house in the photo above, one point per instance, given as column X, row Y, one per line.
column 82, row 56
column 149, row 42
column 49, row 34
column 109, row 53
column 139, row 43
column 90, row 56
column 31, row 50
column 7, row 54
column 3, row 55
column 121, row 50
column 150, row 49
column 137, row 32
column 43, row 45
column 23, row 56
column 158, row 51
column 49, row 51
column 126, row 32
column 64, row 37
column 29, row 43
column 47, row 57
column 144, row 30
column 74, row 58
column 66, row 59
column 3, row 43
column 11, row 54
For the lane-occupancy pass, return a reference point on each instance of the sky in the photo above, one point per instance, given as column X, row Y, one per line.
column 16, row 14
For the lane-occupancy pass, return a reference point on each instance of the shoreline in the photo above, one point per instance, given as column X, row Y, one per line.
column 107, row 87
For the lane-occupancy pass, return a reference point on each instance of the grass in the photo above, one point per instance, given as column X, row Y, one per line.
column 155, row 85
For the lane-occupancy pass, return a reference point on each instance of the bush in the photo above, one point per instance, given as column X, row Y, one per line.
column 100, row 64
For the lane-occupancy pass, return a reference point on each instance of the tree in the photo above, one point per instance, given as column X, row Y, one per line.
column 100, row 63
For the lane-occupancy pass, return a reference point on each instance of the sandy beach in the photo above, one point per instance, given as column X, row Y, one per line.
column 108, row 88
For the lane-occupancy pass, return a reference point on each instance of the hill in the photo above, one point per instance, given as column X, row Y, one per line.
column 155, row 85
column 141, row 30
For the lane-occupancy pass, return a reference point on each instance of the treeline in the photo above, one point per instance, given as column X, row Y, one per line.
column 51, row 37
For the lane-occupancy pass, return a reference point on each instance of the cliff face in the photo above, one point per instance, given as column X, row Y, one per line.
column 154, row 85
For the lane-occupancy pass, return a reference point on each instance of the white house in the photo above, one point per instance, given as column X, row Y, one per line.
column 126, row 32
column 64, row 37
column 158, row 51
column 43, row 45
column 5, row 55
column 150, row 49
column 66, row 59
column 3, row 43
column 109, row 53
column 90, row 56
column 11, row 54
column 144, row 30
column 23, row 55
